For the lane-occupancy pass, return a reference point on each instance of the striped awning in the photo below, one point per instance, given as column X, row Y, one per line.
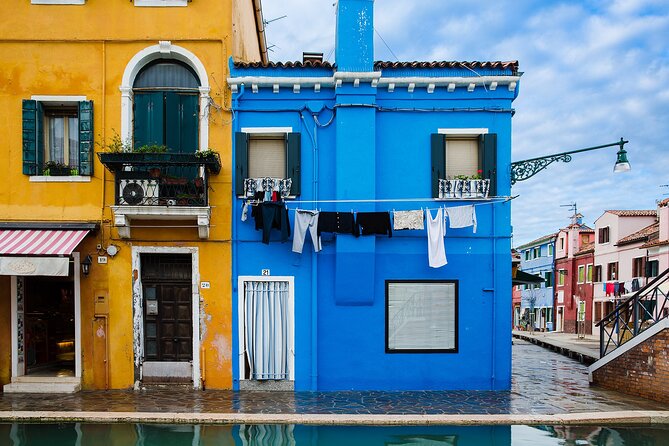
column 40, row 242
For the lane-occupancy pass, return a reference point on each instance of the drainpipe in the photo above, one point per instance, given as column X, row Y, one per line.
column 314, row 273
column 494, row 292
column 234, row 240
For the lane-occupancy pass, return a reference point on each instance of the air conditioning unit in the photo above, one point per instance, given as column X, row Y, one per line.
column 138, row 192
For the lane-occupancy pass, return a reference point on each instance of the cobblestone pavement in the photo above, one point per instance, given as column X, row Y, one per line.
column 543, row 383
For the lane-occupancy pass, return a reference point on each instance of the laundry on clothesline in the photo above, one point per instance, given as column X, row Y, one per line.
column 408, row 220
column 372, row 223
column 461, row 216
column 436, row 252
column 306, row 221
column 271, row 215
column 338, row 222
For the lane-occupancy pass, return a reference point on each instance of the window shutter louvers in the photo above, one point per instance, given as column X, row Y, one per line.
column 29, row 137
column 438, row 144
column 241, row 161
column 86, row 138
column 488, row 160
column 293, row 162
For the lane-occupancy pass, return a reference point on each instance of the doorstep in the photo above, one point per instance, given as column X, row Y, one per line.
column 43, row 384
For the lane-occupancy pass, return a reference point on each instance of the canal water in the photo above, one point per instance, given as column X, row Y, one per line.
column 80, row 434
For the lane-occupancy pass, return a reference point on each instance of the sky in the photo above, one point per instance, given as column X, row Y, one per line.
column 593, row 71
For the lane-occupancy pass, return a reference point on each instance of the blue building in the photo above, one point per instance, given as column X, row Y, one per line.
column 536, row 305
column 356, row 143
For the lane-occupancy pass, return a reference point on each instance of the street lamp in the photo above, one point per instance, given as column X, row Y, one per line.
column 524, row 169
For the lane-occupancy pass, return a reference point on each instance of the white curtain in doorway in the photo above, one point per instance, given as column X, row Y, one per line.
column 266, row 329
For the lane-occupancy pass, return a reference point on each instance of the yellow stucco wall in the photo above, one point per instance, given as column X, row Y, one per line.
column 84, row 50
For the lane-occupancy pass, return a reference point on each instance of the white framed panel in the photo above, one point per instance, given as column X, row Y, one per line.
column 463, row 131
column 291, row 320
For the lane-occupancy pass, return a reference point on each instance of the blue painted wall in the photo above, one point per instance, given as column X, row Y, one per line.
column 377, row 146
column 540, row 265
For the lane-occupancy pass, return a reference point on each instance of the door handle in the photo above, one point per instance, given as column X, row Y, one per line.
column 175, row 340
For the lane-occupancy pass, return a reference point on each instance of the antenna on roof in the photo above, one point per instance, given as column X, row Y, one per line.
column 575, row 216
column 267, row 22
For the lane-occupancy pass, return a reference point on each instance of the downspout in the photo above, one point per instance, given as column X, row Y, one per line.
column 235, row 241
column 314, row 274
column 494, row 293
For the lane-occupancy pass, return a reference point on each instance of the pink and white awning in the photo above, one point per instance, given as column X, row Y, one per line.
column 40, row 242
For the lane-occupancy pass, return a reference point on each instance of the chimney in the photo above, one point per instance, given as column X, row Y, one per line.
column 354, row 40
column 314, row 58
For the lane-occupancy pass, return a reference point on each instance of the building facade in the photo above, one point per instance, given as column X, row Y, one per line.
column 117, row 273
column 536, row 308
column 620, row 261
column 574, row 275
column 342, row 148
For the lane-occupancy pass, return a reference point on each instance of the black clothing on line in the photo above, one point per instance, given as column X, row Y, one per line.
column 339, row 222
column 374, row 223
column 271, row 215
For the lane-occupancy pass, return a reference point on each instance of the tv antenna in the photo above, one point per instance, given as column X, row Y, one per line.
column 572, row 207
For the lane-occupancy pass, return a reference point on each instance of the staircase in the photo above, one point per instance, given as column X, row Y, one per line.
column 43, row 384
column 633, row 344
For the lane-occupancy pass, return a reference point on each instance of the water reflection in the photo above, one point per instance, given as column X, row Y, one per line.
column 300, row 435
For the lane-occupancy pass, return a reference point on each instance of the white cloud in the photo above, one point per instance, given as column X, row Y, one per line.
column 594, row 71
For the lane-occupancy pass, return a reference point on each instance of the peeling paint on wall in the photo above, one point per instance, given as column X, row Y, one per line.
column 221, row 345
column 138, row 334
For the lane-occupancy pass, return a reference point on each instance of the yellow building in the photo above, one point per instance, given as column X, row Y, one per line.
column 114, row 213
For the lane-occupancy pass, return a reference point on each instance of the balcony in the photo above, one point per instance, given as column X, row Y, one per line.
column 161, row 186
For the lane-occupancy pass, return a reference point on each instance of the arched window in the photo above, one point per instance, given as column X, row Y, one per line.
column 166, row 106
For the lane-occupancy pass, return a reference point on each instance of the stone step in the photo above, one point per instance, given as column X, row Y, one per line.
column 41, row 384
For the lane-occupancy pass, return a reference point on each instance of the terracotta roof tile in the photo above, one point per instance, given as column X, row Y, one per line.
column 296, row 64
column 634, row 213
column 663, row 203
column 641, row 235
column 511, row 65
column 586, row 249
column 655, row 242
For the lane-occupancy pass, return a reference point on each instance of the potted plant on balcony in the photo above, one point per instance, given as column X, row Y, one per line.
column 55, row 168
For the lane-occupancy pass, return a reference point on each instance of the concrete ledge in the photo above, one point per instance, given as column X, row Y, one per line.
column 586, row 418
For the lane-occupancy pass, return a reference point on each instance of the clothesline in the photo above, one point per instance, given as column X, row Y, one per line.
column 492, row 200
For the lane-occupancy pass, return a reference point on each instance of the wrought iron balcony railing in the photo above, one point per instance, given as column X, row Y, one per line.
column 160, row 179
column 634, row 315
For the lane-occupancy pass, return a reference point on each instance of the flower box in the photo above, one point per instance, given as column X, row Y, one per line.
column 463, row 189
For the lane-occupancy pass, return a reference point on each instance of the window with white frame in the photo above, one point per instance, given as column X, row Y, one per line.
column 561, row 274
column 588, row 275
column 638, row 267
column 421, row 316
column 604, row 235
column 464, row 153
column 550, row 250
column 581, row 274
column 57, row 136
column 267, row 153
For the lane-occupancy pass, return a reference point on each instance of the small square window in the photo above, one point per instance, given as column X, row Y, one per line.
column 462, row 157
column 604, row 235
column 421, row 316
column 267, row 157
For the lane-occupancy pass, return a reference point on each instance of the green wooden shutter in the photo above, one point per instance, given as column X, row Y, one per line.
column 293, row 162
column 189, row 120
column 29, row 137
column 438, row 144
column 488, row 160
column 241, row 161
column 86, row 138
column 40, row 148
column 148, row 124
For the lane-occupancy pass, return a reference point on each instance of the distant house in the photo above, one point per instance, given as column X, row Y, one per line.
column 338, row 303
column 622, row 264
column 536, row 306
column 574, row 275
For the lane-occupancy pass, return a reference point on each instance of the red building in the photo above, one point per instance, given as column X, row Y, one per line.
column 574, row 263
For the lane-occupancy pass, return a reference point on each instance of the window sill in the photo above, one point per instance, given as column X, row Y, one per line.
column 57, row 2
column 57, row 179
column 161, row 3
